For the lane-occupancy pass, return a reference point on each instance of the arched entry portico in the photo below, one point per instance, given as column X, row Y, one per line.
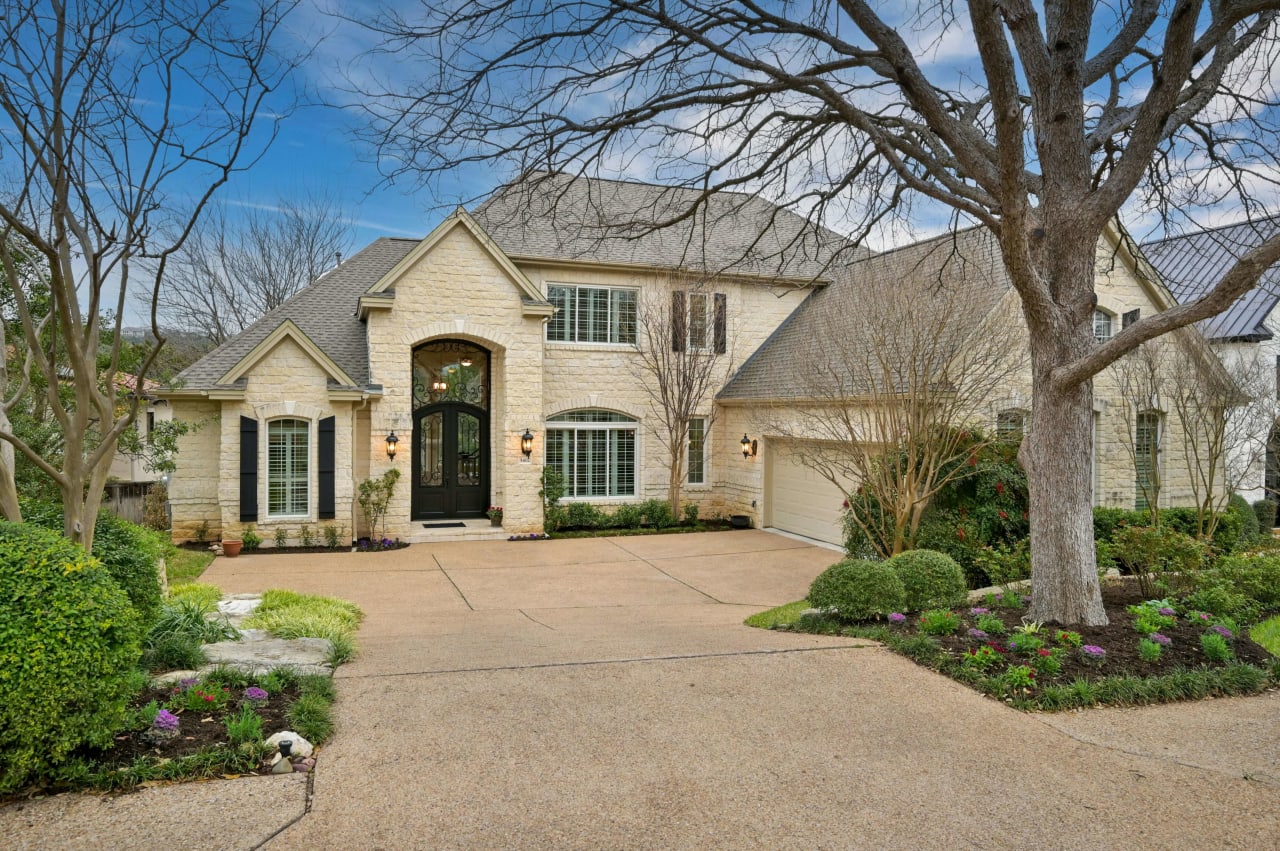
column 451, row 449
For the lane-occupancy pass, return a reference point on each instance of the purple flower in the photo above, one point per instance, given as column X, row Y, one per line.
column 977, row 633
column 1165, row 610
column 1162, row 640
column 165, row 720
column 255, row 693
column 1204, row 616
column 1093, row 651
column 1221, row 630
column 897, row 617
column 187, row 682
column 978, row 610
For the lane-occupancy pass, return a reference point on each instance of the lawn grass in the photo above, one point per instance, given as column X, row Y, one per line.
column 288, row 614
column 778, row 616
column 1267, row 634
column 185, row 565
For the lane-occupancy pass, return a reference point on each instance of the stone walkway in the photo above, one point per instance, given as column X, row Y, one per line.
column 602, row 693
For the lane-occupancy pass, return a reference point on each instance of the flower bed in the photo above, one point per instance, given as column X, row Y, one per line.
column 1151, row 651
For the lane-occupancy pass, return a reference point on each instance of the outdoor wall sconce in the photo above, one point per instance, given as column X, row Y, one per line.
column 466, row 361
column 439, row 386
column 749, row 447
column 392, row 440
column 526, row 443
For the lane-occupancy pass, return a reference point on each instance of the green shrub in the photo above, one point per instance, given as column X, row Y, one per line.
column 1154, row 554
column 198, row 592
column 930, row 579
column 991, row 624
column 155, row 511
column 305, row 534
column 1250, row 531
column 858, row 589
column 173, row 653
column 583, row 515
column 281, row 537
column 657, row 513
column 691, row 514
column 1256, row 577
column 129, row 552
column 333, row 535
column 244, row 727
column 1220, row 600
column 68, row 652
column 626, row 517
column 1265, row 511
column 252, row 540
column 1148, row 650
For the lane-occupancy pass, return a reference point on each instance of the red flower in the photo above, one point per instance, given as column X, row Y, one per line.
column 845, row 505
column 1043, row 652
column 999, row 487
column 973, row 460
column 1004, row 516
column 960, row 532
column 208, row 698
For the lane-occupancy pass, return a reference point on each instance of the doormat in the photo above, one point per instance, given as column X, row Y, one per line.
column 444, row 525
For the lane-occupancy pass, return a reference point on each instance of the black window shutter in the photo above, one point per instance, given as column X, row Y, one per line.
column 248, row 470
column 678, row 314
column 1129, row 318
column 721, row 318
column 325, row 509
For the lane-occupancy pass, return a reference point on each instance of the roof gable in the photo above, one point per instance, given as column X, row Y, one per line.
column 286, row 330
column 459, row 219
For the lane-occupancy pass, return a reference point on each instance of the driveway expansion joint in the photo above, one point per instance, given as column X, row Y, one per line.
column 625, row 661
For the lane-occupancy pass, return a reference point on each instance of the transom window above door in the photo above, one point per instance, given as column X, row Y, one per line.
column 592, row 314
column 450, row 371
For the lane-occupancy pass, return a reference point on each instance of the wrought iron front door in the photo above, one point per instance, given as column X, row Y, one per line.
column 450, row 461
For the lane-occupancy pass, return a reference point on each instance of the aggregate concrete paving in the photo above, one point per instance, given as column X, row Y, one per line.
column 603, row 693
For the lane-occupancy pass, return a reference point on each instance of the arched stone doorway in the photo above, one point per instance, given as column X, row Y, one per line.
column 451, row 401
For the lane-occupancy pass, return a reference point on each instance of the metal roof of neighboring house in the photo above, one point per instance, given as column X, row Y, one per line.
column 968, row 263
column 324, row 311
column 559, row 216
column 1193, row 263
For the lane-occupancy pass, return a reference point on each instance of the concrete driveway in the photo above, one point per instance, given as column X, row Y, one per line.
column 602, row 693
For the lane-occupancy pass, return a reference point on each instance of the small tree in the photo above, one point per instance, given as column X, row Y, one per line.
column 686, row 355
column 892, row 384
column 375, row 496
column 121, row 118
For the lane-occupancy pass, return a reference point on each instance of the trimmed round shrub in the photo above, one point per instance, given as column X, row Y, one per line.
column 858, row 589
column 931, row 580
column 128, row 552
column 1250, row 532
column 1256, row 577
column 69, row 647
column 1265, row 511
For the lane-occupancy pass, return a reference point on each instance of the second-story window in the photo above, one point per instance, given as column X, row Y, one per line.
column 592, row 314
column 699, row 321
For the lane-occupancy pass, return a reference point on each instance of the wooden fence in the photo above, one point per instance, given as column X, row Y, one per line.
column 125, row 499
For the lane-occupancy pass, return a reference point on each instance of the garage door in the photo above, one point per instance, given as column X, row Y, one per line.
column 799, row 499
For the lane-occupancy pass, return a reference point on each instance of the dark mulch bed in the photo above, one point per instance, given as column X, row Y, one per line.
column 1119, row 639
column 269, row 550
column 679, row 528
column 197, row 730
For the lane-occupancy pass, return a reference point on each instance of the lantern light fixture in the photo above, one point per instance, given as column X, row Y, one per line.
column 526, row 443
column 466, row 360
column 749, row 447
column 392, row 440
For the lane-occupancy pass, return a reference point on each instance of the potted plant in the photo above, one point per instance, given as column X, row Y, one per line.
column 495, row 514
column 231, row 548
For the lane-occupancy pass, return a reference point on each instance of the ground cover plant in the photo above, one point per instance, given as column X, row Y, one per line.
column 289, row 614
column 1152, row 651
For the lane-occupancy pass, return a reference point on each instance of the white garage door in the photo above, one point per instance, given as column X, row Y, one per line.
column 799, row 499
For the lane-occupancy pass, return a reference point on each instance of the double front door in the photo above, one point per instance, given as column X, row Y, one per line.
column 450, row 461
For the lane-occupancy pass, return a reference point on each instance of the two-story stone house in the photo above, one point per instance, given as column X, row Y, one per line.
column 507, row 339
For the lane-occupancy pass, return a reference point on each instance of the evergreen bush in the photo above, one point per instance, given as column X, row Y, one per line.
column 858, row 589
column 1265, row 511
column 931, row 580
column 69, row 648
column 129, row 552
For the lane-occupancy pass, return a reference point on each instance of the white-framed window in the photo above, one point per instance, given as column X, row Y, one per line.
column 587, row 314
column 288, row 467
column 1104, row 324
column 1146, row 459
column 1011, row 425
column 595, row 451
column 697, row 462
column 699, row 321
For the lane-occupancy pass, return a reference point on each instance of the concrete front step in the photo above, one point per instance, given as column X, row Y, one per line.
column 471, row 530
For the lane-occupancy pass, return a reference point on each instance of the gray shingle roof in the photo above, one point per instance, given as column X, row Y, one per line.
column 1193, row 263
column 324, row 311
column 837, row 319
column 557, row 216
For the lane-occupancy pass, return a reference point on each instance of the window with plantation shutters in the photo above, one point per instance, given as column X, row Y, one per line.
column 697, row 463
column 698, row 321
column 288, row 447
column 592, row 315
column 595, row 451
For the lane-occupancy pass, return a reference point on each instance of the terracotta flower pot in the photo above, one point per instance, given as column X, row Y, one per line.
column 231, row 549
column 496, row 521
